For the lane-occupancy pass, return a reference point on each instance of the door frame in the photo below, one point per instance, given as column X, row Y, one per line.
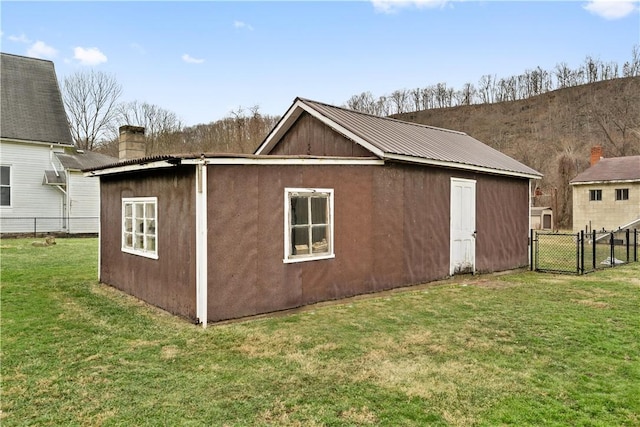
column 453, row 206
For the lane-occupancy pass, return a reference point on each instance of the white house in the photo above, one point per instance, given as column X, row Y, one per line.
column 41, row 187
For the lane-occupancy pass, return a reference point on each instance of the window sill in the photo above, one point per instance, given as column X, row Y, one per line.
column 140, row 253
column 309, row 258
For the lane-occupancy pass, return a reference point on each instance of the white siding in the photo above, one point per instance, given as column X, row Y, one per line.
column 29, row 198
column 84, row 202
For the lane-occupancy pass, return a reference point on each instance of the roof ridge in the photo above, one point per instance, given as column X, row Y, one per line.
column 382, row 117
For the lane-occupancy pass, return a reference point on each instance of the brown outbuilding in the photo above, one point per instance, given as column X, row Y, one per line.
column 334, row 203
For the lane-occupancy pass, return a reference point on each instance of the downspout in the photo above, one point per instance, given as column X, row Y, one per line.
column 201, row 242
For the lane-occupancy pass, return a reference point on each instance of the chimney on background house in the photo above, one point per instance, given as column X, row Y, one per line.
column 596, row 154
column 131, row 142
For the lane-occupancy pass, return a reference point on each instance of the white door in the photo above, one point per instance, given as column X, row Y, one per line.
column 463, row 226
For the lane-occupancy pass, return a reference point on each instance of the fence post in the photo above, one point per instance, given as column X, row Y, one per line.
column 577, row 253
column 593, row 252
column 531, row 234
column 635, row 244
column 611, row 251
column 581, row 251
column 35, row 226
column 627, row 242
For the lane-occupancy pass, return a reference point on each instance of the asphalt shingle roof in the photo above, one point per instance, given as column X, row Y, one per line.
column 611, row 169
column 85, row 160
column 31, row 107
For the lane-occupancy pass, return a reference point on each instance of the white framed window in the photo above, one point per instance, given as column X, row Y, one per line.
column 595, row 195
column 5, row 186
column 308, row 224
column 140, row 226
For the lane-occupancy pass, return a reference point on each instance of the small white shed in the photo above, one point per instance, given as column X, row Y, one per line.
column 542, row 218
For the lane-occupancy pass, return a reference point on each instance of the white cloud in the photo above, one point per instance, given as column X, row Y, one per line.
column 612, row 9
column 392, row 6
column 89, row 56
column 20, row 39
column 41, row 50
column 191, row 60
column 242, row 25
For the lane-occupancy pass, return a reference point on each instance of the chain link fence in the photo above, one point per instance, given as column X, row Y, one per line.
column 580, row 253
column 35, row 226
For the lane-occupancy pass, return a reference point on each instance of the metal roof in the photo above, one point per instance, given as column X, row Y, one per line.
column 52, row 177
column 30, row 101
column 404, row 141
column 611, row 169
column 84, row 160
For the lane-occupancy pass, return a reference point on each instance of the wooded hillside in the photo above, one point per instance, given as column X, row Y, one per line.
column 553, row 132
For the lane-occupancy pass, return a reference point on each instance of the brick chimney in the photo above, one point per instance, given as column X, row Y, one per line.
column 131, row 142
column 596, row 154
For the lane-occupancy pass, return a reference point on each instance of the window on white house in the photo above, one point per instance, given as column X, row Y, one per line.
column 308, row 224
column 595, row 195
column 140, row 225
column 5, row 185
column 622, row 194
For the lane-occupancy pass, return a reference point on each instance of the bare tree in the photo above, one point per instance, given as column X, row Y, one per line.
column 365, row 103
column 161, row 126
column 416, row 99
column 563, row 74
column 428, row 97
column 467, row 94
column 239, row 132
column 90, row 99
column 591, row 67
column 619, row 122
column 486, row 89
column 632, row 68
column 400, row 100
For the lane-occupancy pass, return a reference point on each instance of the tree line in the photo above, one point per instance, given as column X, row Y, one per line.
column 95, row 111
column 95, row 114
column 491, row 89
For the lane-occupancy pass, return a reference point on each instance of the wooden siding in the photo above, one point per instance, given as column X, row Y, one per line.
column 326, row 141
column 29, row 198
column 169, row 281
column 391, row 230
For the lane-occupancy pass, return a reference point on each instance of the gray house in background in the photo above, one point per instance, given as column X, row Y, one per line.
column 41, row 184
column 334, row 203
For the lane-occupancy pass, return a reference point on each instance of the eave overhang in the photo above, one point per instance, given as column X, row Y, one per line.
column 459, row 166
column 27, row 141
column 612, row 181
column 264, row 160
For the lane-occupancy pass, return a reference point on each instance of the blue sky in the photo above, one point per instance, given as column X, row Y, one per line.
column 203, row 59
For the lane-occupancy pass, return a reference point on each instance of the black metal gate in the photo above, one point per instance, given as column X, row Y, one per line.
column 580, row 253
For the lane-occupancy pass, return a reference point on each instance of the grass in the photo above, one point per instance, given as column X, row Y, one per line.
column 512, row 349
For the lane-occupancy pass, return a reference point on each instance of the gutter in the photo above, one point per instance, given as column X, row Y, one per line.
column 459, row 166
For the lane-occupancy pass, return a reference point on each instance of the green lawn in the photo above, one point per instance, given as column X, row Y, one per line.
column 513, row 349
